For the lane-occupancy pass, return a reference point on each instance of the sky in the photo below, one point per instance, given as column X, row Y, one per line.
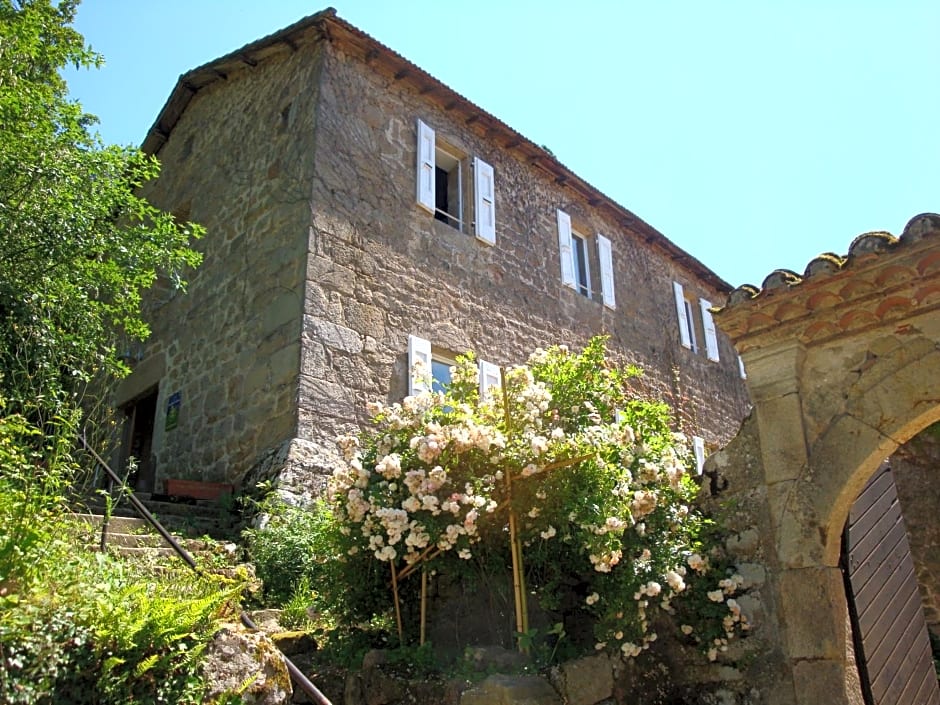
column 753, row 134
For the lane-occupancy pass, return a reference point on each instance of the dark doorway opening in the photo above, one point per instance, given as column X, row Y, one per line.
column 140, row 419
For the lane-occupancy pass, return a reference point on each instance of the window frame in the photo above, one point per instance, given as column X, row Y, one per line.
column 440, row 163
column 580, row 252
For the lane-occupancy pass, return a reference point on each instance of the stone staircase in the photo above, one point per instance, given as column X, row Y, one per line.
column 204, row 529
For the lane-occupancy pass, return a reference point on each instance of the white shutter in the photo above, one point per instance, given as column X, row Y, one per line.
column 426, row 167
column 484, row 205
column 419, row 351
column 607, row 271
column 711, row 336
column 564, row 249
column 684, row 323
column 489, row 377
column 698, row 446
column 741, row 368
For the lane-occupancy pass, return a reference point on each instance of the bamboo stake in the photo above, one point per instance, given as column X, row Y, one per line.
column 401, row 636
column 523, row 592
column 515, row 549
column 519, row 598
column 424, row 603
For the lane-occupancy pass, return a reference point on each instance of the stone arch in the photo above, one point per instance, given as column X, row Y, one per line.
column 871, row 439
column 843, row 368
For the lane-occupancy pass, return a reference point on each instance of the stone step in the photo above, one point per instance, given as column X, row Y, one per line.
column 116, row 524
column 186, row 519
column 153, row 541
column 144, row 551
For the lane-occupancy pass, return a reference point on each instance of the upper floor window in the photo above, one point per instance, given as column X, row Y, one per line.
column 690, row 324
column 448, row 188
column 441, row 185
column 582, row 270
column 574, row 255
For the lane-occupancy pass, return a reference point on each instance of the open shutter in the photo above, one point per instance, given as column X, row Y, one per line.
column 419, row 351
column 489, row 377
column 711, row 336
column 425, row 167
column 684, row 336
column 484, row 205
column 564, row 249
column 698, row 447
column 607, row 271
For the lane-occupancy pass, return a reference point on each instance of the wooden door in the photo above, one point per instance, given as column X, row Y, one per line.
column 891, row 643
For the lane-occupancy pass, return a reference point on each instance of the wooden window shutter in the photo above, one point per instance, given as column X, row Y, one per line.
column 684, row 336
column 419, row 375
column 564, row 249
column 484, row 204
column 426, row 167
column 489, row 377
column 711, row 335
column 606, row 258
column 698, row 447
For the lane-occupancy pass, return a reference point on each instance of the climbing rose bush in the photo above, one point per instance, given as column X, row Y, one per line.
column 597, row 480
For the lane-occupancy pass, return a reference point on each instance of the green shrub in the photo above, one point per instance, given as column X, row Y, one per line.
column 78, row 626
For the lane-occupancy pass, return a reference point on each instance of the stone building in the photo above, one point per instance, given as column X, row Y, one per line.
column 362, row 215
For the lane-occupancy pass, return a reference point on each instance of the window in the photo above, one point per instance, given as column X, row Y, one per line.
column 441, row 185
column 448, row 188
column 575, row 261
column 429, row 370
column 690, row 319
column 440, row 372
column 689, row 323
column 582, row 271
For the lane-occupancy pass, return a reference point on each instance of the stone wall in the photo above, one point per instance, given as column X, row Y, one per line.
column 238, row 161
column 381, row 268
column 915, row 467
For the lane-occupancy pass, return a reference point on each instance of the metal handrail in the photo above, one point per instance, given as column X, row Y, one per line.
column 297, row 676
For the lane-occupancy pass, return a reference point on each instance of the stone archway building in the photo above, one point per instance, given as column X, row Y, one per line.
column 843, row 366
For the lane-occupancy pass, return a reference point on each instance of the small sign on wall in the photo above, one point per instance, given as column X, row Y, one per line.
column 173, row 411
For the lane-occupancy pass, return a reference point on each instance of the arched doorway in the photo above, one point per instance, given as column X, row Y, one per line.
column 843, row 366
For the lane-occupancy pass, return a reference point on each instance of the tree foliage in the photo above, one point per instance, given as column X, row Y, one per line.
column 78, row 244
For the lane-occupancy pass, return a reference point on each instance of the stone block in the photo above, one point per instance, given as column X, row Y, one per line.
column 512, row 690
column 744, row 544
column 283, row 308
column 332, row 335
column 285, row 363
column 754, row 575
column 774, row 371
column 783, row 445
column 822, row 681
column 812, row 611
column 585, row 681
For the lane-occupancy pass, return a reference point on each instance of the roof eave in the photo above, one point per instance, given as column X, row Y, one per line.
column 332, row 27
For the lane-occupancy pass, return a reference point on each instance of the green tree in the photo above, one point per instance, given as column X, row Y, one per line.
column 78, row 244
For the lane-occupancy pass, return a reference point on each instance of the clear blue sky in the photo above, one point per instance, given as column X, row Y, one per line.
column 753, row 134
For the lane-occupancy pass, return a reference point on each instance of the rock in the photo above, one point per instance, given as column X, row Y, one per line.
column 294, row 642
column 497, row 658
column 239, row 661
column 267, row 620
column 512, row 690
column 585, row 681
